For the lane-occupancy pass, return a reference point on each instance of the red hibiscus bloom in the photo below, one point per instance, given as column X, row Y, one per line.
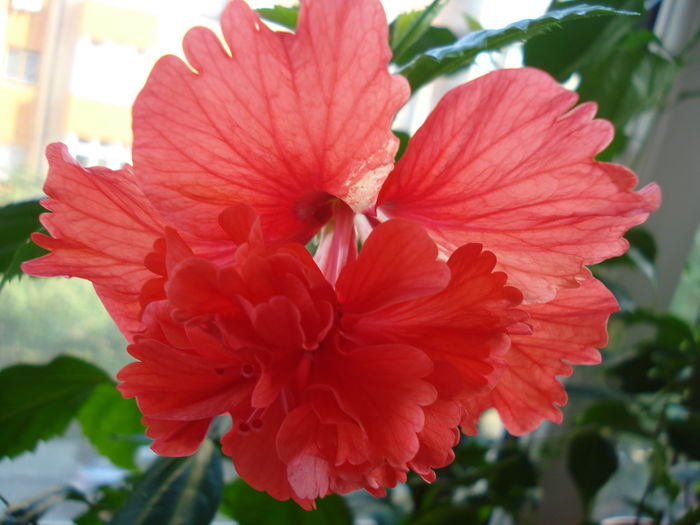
column 345, row 371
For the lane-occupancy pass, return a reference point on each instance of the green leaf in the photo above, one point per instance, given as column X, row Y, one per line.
column 409, row 27
column 643, row 240
column 38, row 402
column 403, row 144
column 112, row 423
column 433, row 37
column 642, row 251
column 684, row 435
column 250, row 507
column 513, row 475
column 591, row 461
column 671, row 331
column 104, row 504
column 17, row 222
column 176, row 491
column 692, row 517
column 284, row 16
column 30, row 511
column 611, row 413
column 615, row 63
column 659, row 470
column 580, row 43
column 630, row 80
column 26, row 251
column 448, row 59
column 641, row 254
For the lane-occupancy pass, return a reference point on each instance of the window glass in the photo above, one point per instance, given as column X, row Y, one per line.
column 13, row 68
column 31, row 66
column 22, row 64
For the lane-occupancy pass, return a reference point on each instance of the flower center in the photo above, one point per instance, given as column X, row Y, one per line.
column 315, row 207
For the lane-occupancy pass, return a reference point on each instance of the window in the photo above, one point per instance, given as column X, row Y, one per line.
column 22, row 64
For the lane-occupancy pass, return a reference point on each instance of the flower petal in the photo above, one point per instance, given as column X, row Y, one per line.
column 313, row 110
column 504, row 161
column 382, row 389
column 172, row 384
column 102, row 228
column 465, row 325
column 255, row 459
column 398, row 262
column 566, row 331
column 176, row 438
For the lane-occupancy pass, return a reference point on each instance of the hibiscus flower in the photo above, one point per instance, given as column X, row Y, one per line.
column 344, row 370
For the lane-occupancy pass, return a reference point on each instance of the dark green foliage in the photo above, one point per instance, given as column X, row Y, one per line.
column 613, row 414
column 403, row 144
column 17, row 222
column 448, row 59
column 684, row 435
column 250, row 507
column 616, row 64
column 176, row 491
column 408, row 28
column 433, row 37
column 591, row 460
column 113, row 425
column 104, row 504
column 38, row 402
column 574, row 46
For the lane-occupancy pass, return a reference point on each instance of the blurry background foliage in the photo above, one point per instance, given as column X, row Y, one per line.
column 638, row 415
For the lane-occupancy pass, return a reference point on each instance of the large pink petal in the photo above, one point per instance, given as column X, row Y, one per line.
column 504, row 161
column 282, row 122
column 102, row 228
column 566, row 331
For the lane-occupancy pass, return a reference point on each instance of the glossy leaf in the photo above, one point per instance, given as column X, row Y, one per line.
column 591, row 461
column 641, row 254
column 637, row 374
column 630, row 80
column 434, row 37
column 611, row 413
column 250, row 507
column 615, row 62
column 281, row 15
column 104, row 503
column 176, row 491
column 514, row 477
column 684, row 436
column 404, row 138
column 408, row 27
column 691, row 517
column 564, row 50
column 17, row 222
column 26, row 251
column 37, row 402
column 671, row 331
column 448, row 59
column 112, row 424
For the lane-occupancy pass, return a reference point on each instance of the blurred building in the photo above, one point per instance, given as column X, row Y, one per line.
column 70, row 69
